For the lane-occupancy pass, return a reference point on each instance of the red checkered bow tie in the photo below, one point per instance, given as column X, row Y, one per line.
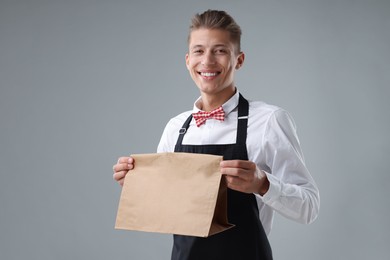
column 201, row 116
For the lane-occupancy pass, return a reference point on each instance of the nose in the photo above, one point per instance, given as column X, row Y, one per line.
column 208, row 59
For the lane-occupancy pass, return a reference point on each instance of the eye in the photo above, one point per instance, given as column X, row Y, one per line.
column 221, row 51
column 197, row 51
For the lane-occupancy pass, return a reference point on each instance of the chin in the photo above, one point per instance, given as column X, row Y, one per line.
column 209, row 89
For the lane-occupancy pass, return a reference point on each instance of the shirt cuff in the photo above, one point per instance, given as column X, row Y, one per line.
column 274, row 190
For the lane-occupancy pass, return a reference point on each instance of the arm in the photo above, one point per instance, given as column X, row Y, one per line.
column 278, row 177
column 292, row 191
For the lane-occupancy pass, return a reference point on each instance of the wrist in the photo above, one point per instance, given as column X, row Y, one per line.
column 264, row 186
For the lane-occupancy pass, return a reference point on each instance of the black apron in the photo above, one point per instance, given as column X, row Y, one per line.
column 247, row 240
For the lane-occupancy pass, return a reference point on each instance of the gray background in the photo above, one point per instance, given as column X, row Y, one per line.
column 79, row 81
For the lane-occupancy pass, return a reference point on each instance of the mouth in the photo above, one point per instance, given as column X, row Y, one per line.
column 209, row 74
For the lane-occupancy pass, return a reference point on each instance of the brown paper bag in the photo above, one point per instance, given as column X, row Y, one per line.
column 177, row 193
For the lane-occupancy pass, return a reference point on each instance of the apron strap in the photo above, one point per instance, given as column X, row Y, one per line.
column 183, row 130
column 242, row 120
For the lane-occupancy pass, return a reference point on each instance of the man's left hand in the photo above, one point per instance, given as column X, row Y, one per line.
column 244, row 176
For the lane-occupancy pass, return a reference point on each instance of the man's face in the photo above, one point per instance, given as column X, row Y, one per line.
column 212, row 61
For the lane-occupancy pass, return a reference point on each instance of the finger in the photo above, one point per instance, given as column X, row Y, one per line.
column 232, row 171
column 119, row 167
column 231, row 180
column 125, row 159
column 122, row 167
column 238, row 173
column 238, row 164
column 237, row 184
column 119, row 175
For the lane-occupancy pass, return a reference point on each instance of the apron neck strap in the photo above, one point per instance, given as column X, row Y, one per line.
column 242, row 120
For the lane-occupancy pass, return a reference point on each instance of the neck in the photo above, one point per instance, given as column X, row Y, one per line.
column 213, row 101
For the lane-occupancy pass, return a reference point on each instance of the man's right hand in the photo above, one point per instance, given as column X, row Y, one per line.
column 121, row 168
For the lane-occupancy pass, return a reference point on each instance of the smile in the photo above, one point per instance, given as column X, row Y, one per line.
column 209, row 74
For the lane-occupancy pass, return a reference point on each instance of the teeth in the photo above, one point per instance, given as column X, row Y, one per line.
column 208, row 74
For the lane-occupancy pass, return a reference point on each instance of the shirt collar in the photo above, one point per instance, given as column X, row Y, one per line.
column 228, row 106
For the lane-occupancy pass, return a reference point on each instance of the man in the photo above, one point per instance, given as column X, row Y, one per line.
column 263, row 164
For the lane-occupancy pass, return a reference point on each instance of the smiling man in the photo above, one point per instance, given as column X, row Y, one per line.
column 212, row 60
column 263, row 163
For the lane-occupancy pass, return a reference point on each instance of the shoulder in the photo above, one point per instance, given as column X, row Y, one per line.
column 270, row 116
column 263, row 111
column 171, row 132
column 263, row 107
column 175, row 123
column 178, row 121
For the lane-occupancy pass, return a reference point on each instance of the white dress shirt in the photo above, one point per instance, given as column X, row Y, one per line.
column 272, row 143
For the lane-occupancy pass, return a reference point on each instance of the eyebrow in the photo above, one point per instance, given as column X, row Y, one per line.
column 214, row 46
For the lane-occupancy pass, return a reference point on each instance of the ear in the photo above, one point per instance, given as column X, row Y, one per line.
column 187, row 61
column 240, row 60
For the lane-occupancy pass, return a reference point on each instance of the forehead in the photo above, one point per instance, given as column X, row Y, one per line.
column 210, row 37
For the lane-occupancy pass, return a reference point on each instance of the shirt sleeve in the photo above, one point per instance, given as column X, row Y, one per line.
column 292, row 191
column 167, row 140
